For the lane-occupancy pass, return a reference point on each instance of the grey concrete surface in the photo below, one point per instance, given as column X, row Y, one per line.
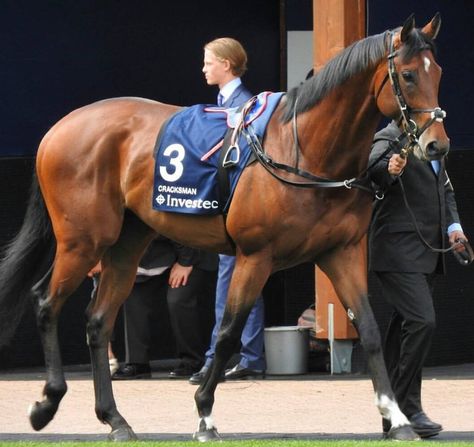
column 312, row 406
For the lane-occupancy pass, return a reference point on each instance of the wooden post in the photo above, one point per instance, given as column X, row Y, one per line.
column 337, row 23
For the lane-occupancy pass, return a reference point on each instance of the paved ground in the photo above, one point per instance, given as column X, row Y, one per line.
column 311, row 406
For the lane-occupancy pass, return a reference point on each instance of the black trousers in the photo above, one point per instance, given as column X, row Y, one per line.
column 184, row 305
column 189, row 308
column 409, row 333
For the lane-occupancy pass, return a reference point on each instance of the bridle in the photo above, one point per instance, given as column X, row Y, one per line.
column 408, row 140
column 405, row 143
column 411, row 132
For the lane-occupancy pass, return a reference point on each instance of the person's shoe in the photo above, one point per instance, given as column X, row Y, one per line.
column 239, row 372
column 181, row 372
column 424, row 426
column 197, row 378
column 132, row 371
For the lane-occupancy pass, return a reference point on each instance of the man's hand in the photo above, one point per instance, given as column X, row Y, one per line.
column 396, row 164
column 456, row 236
column 179, row 275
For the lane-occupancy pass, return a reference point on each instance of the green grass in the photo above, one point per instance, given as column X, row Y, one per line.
column 246, row 443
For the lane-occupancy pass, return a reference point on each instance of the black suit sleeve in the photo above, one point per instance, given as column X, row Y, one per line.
column 379, row 171
column 186, row 256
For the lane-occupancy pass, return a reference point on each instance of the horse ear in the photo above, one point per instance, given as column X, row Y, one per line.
column 407, row 28
column 432, row 28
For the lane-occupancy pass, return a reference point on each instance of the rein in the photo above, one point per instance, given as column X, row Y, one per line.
column 464, row 257
column 405, row 143
column 417, row 228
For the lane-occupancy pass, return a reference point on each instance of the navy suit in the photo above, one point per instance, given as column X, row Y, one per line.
column 252, row 336
column 238, row 97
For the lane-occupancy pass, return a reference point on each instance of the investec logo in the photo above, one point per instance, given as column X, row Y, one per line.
column 179, row 202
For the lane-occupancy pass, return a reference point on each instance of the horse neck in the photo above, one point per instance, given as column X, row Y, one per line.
column 336, row 135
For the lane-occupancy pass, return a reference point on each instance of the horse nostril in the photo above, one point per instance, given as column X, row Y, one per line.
column 436, row 150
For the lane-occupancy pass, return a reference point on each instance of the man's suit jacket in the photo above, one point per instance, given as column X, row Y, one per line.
column 238, row 97
column 393, row 242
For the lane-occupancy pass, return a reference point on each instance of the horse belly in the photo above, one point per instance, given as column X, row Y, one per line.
column 204, row 232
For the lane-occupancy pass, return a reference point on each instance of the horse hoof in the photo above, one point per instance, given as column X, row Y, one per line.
column 122, row 434
column 207, row 435
column 41, row 414
column 403, row 433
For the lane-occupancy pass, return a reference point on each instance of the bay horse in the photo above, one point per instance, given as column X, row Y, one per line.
column 92, row 194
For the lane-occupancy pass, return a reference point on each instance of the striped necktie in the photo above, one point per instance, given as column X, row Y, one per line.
column 220, row 100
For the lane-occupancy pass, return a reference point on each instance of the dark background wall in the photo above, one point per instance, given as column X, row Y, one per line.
column 455, row 54
column 58, row 55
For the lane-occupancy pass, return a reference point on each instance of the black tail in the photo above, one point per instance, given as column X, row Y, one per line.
column 25, row 260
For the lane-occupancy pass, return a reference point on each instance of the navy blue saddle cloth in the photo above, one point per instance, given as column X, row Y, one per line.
column 188, row 154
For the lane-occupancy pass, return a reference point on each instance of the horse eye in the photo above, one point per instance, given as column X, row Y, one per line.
column 408, row 76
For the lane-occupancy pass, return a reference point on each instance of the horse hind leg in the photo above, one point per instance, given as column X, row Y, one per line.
column 119, row 266
column 49, row 294
column 100, row 321
column 41, row 413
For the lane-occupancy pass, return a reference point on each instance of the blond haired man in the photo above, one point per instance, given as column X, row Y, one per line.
column 225, row 60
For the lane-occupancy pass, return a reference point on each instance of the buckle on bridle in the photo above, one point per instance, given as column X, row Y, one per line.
column 412, row 127
column 438, row 114
column 348, row 183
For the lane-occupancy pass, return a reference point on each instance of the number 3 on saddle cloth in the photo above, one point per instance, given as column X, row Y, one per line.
column 188, row 154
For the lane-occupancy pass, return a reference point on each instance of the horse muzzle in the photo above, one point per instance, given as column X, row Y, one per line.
column 436, row 149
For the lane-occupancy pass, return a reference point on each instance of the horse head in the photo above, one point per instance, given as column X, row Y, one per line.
column 412, row 99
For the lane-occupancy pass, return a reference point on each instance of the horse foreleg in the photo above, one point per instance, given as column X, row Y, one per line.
column 245, row 286
column 227, row 342
column 369, row 333
column 347, row 270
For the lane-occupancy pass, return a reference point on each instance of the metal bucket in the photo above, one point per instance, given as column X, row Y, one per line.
column 286, row 349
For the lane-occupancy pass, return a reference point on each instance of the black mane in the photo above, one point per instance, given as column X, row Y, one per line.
column 346, row 64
